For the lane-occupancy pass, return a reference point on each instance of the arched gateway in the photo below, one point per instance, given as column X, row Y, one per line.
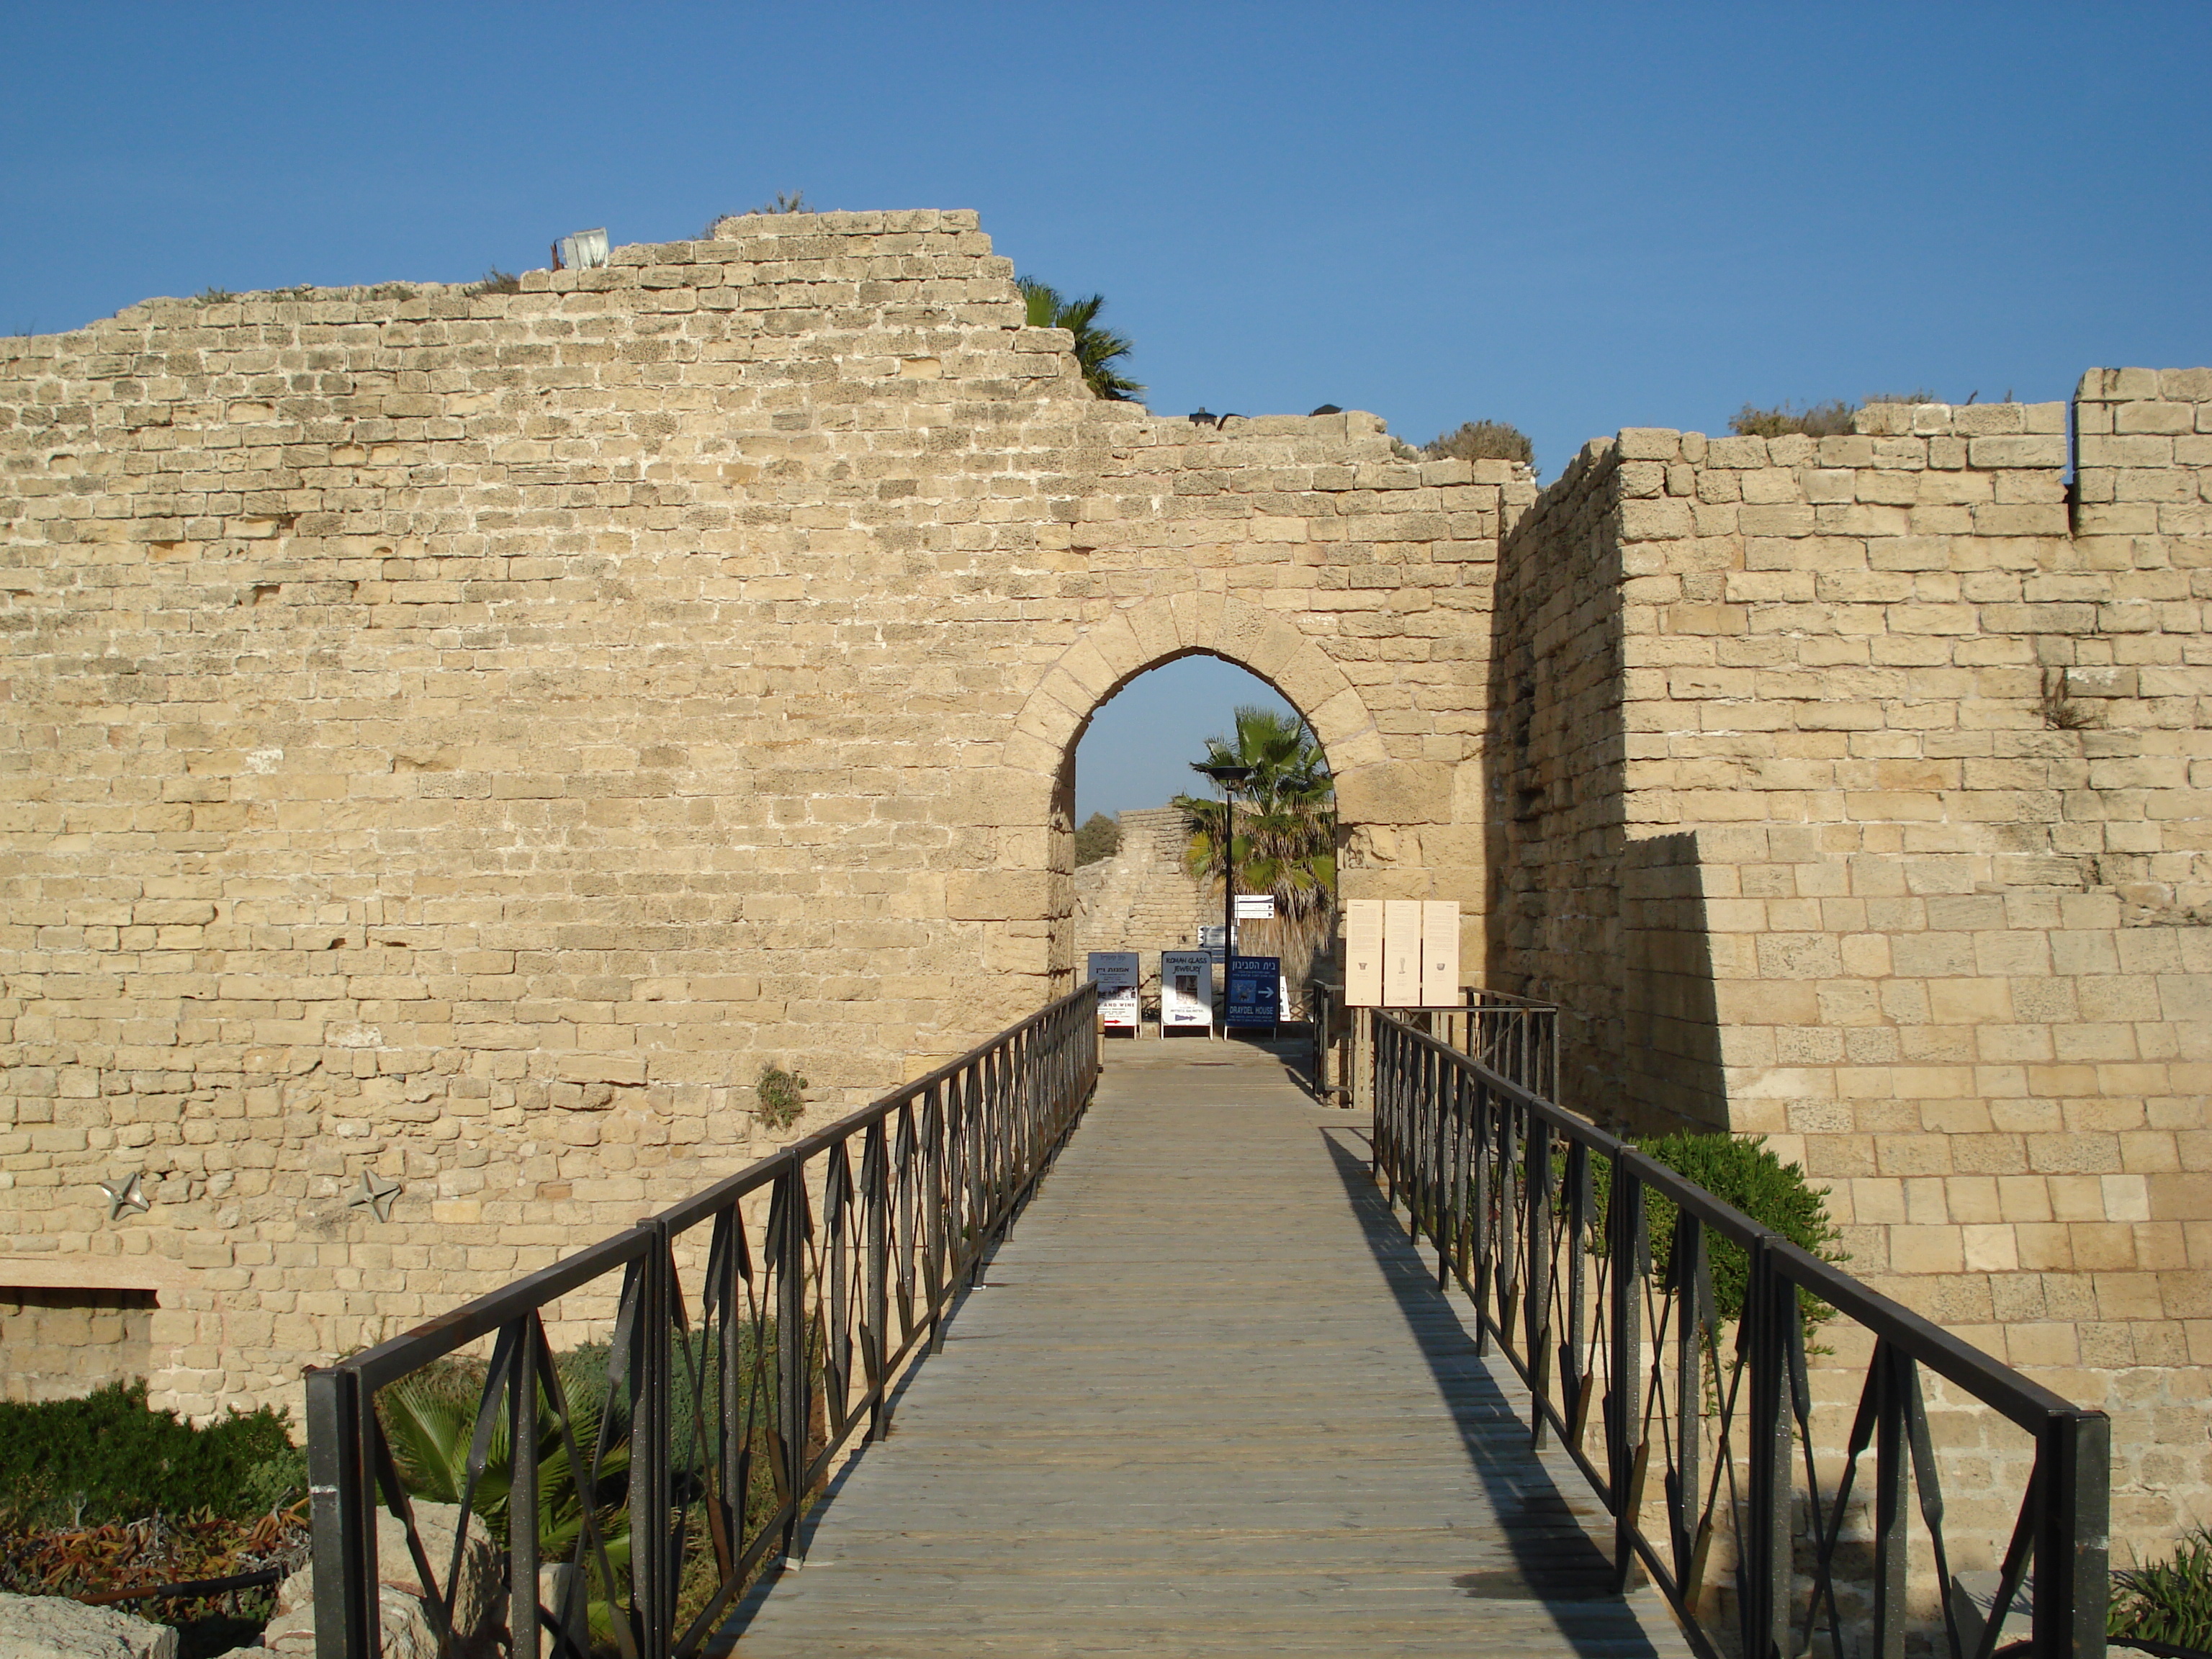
column 459, row 739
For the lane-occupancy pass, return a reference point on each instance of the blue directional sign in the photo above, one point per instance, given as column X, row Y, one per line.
column 1254, row 983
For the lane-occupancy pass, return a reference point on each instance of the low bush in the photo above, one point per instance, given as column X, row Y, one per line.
column 2168, row 1601
column 110, row 1457
column 1481, row 440
column 1742, row 1173
column 1833, row 419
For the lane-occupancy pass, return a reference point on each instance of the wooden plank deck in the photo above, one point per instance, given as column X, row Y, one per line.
column 1207, row 1402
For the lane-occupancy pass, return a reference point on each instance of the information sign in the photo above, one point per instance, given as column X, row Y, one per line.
column 1186, row 990
column 1439, row 953
column 1117, row 975
column 1362, row 953
column 1255, row 907
column 1254, row 983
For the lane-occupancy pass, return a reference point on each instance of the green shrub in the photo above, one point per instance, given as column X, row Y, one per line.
column 1481, row 440
column 1741, row 1172
column 782, row 1096
column 277, row 1483
column 2168, row 1601
column 494, row 281
column 110, row 1457
column 1098, row 837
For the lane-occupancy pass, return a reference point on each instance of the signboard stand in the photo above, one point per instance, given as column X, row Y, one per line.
column 1186, row 991
column 1117, row 975
column 1255, row 985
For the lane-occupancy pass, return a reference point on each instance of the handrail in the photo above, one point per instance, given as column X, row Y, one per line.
column 829, row 1267
column 1500, row 1179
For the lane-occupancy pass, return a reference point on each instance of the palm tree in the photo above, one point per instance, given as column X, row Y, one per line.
column 1095, row 349
column 1285, row 826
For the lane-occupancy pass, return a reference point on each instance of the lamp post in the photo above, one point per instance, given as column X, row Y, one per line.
column 1228, row 775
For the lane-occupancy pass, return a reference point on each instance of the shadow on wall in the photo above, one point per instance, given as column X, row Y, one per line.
column 1669, row 1015
column 1610, row 925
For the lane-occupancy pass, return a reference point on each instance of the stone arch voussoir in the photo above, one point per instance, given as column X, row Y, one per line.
column 1143, row 636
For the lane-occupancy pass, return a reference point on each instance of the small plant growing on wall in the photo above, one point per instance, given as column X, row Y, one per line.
column 2061, row 712
column 782, row 1096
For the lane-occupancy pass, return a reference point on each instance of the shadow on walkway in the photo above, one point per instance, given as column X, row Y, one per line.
column 1548, row 1529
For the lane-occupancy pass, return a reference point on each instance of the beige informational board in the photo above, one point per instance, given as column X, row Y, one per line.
column 1439, row 952
column 1362, row 953
column 1401, row 953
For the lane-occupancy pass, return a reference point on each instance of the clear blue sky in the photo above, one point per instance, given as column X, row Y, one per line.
column 1575, row 217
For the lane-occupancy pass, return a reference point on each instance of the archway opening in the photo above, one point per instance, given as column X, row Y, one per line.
column 1143, row 827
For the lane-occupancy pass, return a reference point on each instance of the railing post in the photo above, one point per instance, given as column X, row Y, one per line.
column 522, row 1494
column 1764, row 1561
column 1892, row 1391
column 2073, row 1455
column 1536, row 1313
column 937, row 1190
column 875, row 1328
column 1683, row 1488
column 343, row 1493
column 1574, row 1375
column 791, row 1343
column 648, row 1481
column 1623, row 1421
column 1479, row 1233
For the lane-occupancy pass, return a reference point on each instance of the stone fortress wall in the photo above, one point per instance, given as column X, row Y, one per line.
column 1852, row 792
column 463, row 738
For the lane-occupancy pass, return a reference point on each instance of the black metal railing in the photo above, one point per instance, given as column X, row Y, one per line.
column 1515, row 1036
column 666, row 1473
column 1734, row 1462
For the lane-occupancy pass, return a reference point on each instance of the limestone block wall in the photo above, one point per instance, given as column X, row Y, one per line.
column 463, row 736
column 1878, row 834
column 62, row 1344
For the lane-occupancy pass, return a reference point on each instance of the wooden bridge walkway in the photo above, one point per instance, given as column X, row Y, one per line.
column 1207, row 1402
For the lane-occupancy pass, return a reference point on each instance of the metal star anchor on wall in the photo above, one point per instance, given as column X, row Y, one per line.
column 376, row 1194
column 124, row 1194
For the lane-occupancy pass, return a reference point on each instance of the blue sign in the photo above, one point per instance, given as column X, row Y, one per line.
column 1254, row 983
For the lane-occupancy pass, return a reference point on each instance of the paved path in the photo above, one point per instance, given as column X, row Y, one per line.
column 1208, row 1402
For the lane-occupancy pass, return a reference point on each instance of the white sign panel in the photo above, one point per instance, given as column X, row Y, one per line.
column 1186, row 989
column 1115, row 974
column 1439, row 952
column 1401, row 953
column 1362, row 953
column 1255, row 907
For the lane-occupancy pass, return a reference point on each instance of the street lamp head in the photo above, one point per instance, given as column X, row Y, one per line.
column 1227, row 774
